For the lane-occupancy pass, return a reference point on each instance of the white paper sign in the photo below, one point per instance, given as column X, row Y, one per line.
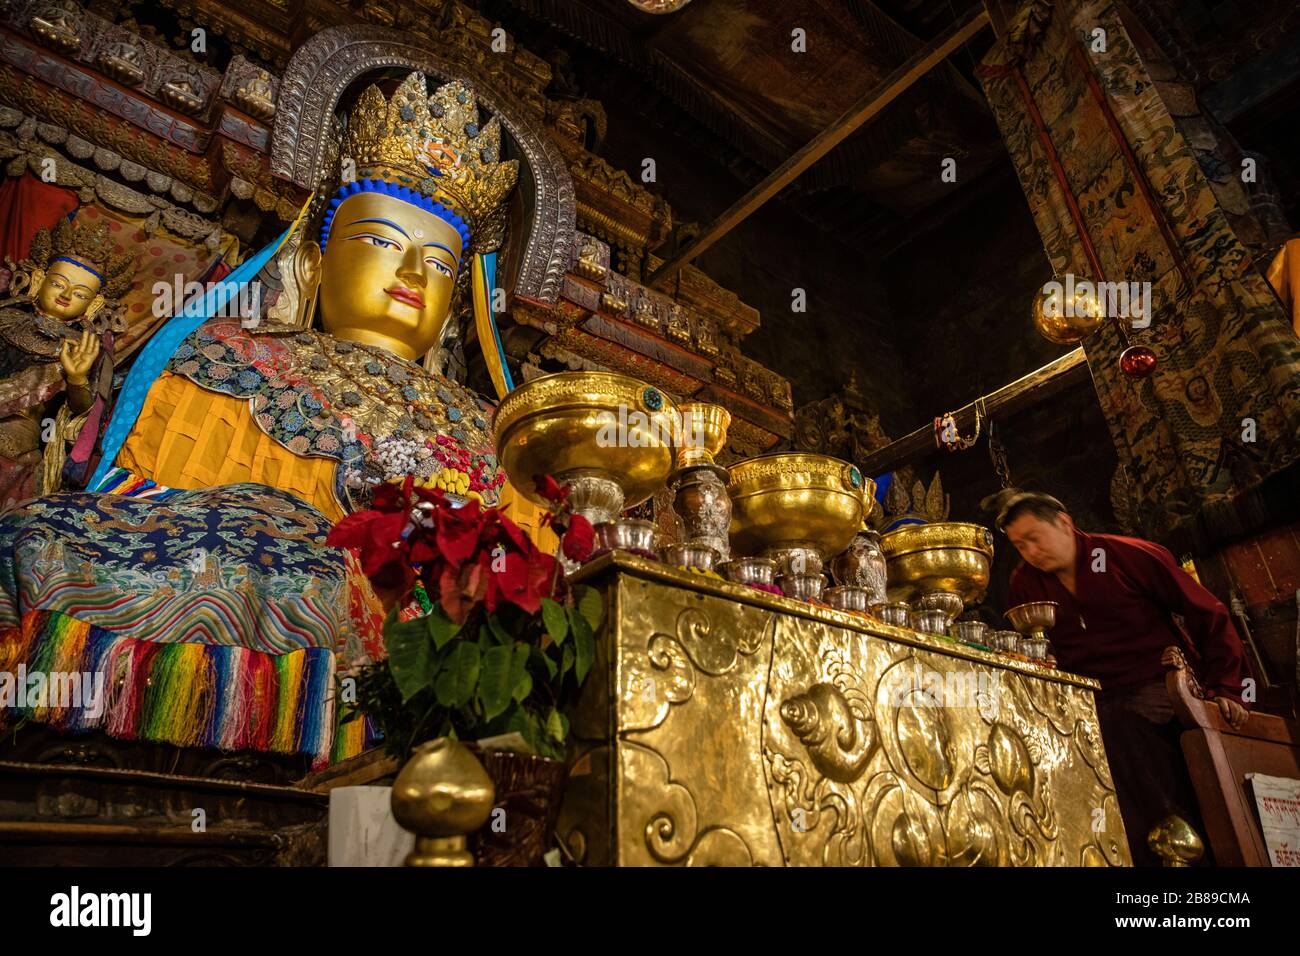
column 362, row 831
column 1278, row 801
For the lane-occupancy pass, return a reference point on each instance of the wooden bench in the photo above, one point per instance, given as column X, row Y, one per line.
column 1218, row 759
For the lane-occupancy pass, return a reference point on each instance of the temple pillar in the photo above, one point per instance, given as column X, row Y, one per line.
column 1128, row 183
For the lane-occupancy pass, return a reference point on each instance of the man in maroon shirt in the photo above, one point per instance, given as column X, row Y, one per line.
column 1117, row 599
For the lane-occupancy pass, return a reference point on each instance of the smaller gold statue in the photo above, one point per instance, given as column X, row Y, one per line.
column 56, row 329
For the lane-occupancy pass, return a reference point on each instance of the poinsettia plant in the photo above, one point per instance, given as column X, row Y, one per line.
column 485, row 636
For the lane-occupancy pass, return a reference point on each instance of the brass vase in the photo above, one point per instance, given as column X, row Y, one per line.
column 862, row 565
column 700, row 490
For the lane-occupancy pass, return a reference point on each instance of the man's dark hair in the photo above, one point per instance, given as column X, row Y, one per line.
column 1011, row 503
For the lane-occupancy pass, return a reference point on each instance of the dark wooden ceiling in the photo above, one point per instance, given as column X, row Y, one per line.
column 722, row 74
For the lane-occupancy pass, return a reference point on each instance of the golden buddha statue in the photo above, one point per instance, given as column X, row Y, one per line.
column 54, row 365
column 195, row 573
column 322, row 413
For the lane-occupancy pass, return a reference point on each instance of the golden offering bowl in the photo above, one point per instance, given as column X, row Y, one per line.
column 609, row 437
column 703, row 433
column 1033, row 619
column 948, row 556
column 798, row 508
column 1067, row 315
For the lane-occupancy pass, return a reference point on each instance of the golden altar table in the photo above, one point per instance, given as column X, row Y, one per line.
column 725, row 725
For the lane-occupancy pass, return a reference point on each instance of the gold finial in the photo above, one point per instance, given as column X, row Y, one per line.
column 1175, row 841
column 442, row 795
column 434, row 144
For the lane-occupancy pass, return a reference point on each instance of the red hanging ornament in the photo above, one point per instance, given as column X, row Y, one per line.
column 1137, row 361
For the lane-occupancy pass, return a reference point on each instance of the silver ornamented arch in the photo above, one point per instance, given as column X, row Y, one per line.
column 327, row 64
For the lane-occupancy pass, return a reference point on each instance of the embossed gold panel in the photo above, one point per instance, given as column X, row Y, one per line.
column 722, row 725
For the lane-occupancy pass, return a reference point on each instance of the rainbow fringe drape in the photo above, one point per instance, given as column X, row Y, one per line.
column 190, row 695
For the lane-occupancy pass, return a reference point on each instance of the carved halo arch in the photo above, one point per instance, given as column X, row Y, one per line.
column 322, row 70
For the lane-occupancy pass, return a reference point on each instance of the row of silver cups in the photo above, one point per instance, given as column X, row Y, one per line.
column 798, row 574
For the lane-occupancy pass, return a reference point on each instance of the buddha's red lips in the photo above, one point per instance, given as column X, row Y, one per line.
column 406, row 295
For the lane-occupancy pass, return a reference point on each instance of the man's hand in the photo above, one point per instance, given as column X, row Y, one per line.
column 78, row 358
column 1233, row 712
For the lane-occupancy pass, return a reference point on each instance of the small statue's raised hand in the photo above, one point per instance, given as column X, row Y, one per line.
column 78, row 358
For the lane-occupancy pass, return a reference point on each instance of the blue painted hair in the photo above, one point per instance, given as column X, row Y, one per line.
column 77, row 262
column 419, row 200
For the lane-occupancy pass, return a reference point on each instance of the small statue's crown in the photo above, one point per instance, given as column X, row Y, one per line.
column 90, row 246
column 434, row 144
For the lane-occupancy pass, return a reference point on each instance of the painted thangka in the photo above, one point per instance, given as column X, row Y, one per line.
column 1117, row 193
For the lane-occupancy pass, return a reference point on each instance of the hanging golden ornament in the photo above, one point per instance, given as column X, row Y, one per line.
column 1067, row 313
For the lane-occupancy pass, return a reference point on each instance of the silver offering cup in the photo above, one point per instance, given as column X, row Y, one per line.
column 947, row 601
column 896, row 613
column 802, row 587
column 1035, row 648
column 847, row 597
column 690, row 556
column 971, row 632
column 1006, row 641
column 794, row 562
column 749, row 570
column 625, row 534
column 930, row 622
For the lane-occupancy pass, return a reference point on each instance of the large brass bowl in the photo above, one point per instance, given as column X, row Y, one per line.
column 943, row 556
column 598, row 425
column 793, row 500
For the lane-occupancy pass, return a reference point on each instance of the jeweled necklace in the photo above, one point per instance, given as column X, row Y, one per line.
column 386, row 363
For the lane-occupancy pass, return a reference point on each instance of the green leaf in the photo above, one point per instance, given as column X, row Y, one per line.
column 552, row 668
column 409, row 655
column 591, row 605
column 455, row 684
column 521, row 682
column 499, row 631
column 557, row 726
column 566, row 659
column 494, row 680
column 519, row 719
column 586, row 648
column 441, row 628
column 557, row 622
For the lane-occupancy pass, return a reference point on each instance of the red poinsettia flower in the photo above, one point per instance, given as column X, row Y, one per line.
column 461, row 590
column 376, row 536
column 578, row 539
column 458, row 531
column 513, row 583
column 550, row 489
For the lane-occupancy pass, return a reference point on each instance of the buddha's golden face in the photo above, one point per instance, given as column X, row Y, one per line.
column 68, row 290
column 388, row 274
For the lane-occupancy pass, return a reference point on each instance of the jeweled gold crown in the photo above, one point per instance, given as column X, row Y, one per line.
column 91, row 246
column 433, row 143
